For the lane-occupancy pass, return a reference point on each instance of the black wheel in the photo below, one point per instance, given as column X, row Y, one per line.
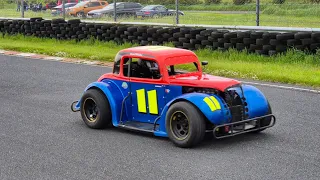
column 95, row 109
column 80, row 15
column 185, row 124
column 265, row 121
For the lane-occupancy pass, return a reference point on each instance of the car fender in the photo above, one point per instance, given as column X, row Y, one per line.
column 256, row 101
column 215, row 110
column 112, row 93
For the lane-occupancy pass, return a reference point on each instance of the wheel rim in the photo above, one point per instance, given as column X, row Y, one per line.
column 90, row 109
column 179, row 124
column 79, row 15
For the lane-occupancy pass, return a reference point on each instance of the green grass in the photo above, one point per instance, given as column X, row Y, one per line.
column 294, row 67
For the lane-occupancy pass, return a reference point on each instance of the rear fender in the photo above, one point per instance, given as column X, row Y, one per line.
column 213, row 108
column 113, row 94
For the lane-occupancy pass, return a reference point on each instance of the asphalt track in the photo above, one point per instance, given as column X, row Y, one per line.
column 40, row 138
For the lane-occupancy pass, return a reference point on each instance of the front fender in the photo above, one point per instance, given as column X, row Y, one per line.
column 215, row 111
column 113, row 94
column 256, row 101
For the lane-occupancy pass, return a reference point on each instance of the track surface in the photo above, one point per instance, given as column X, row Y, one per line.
column 40, row 138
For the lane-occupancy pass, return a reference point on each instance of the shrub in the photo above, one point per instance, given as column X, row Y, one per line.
column 278, row 1
column 315, row 1
column 212, row 1
column 241, row 2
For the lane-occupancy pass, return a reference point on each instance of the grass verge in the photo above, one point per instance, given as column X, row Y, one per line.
column 293, row 68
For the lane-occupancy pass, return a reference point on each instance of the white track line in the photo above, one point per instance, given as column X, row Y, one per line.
column 283, row 87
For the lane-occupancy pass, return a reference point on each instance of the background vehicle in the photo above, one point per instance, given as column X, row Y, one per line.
column 49, row 5
column 58, row 9
column 68, row 1
column 123, row 8
column 82, row 8
column 150, row 92
column 156, row 11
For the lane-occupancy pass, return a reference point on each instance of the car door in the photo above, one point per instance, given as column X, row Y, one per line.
column 120, row 8
column 147, row 91
column 162, row 10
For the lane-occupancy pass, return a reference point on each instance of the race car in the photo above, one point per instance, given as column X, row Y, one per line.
column 163, row 91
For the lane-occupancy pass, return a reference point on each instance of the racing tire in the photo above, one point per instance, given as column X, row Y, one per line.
column 95, row 109
column 185, row 124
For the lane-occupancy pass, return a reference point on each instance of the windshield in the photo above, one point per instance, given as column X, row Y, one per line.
column 149, row 7
column 80, row 4
column 185, row 68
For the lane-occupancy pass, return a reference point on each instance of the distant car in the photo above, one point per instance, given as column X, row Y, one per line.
column 156, row 11
column 49, row 5
column 123, row 8
column 82, row 8
column 58, row 9
column 68, row 1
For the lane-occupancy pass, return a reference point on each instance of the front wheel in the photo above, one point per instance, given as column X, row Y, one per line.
column 95, row 109
column 185, row 124
column 80, row 15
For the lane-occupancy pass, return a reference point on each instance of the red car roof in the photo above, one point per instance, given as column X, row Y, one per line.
column 163, row 54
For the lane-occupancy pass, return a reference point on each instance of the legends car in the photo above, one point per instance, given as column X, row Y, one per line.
column 163, row 91
column 156, row 11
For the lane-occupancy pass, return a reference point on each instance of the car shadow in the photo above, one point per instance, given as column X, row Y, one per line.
column 208, row 142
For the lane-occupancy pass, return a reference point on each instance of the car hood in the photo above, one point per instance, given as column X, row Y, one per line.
column 205, row 81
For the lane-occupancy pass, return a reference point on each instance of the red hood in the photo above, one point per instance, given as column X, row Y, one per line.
column 206, row 81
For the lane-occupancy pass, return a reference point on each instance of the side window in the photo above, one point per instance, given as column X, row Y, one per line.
column 103, row 3
column 127, row 5
column 161, row 8
column 93, row 4
column 120, row 6
column 182, row 68
column 141, row 68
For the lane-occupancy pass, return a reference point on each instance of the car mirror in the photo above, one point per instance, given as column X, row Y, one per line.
column 204, row 63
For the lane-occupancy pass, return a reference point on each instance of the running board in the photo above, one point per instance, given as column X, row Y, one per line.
column 137, row 126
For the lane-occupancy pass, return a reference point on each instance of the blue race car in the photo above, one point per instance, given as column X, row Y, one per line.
column 163, row 91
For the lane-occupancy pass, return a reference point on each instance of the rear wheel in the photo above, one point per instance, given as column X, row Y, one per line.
column 95, row 109
column 185, row 124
